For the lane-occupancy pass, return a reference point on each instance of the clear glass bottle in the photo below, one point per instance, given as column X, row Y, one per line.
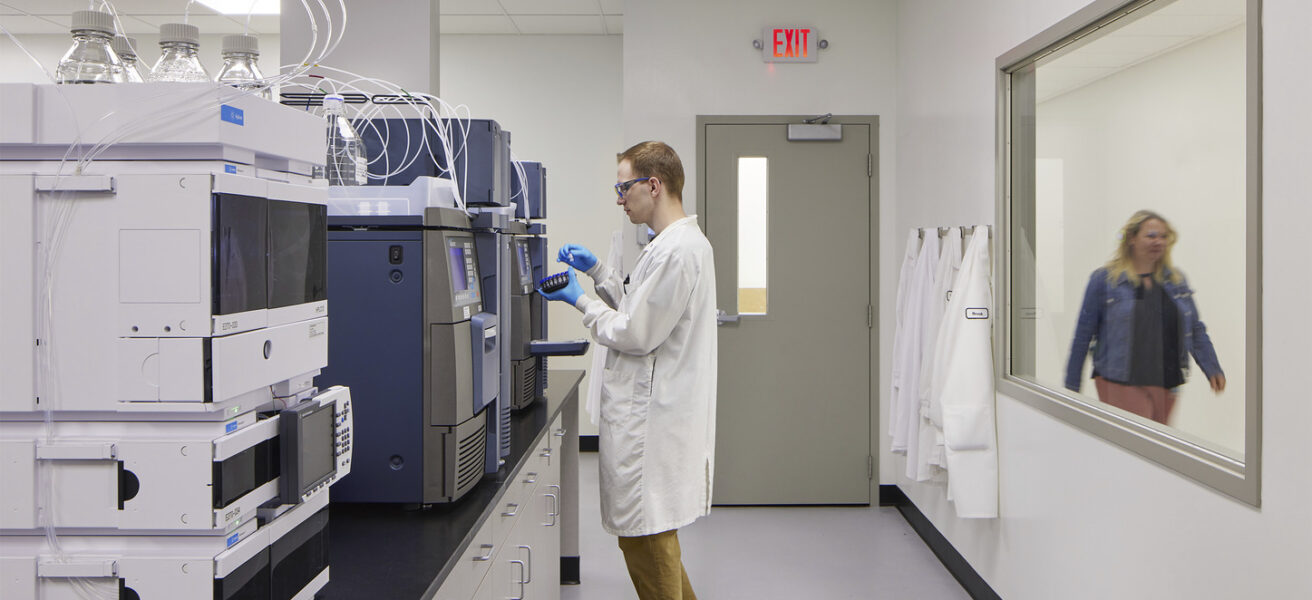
column 178, row 43
column 90, row 59
column 241, row 56
column 126, row 49
column 347, row 163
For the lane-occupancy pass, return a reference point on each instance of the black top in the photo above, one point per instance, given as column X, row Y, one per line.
column 1155, row 349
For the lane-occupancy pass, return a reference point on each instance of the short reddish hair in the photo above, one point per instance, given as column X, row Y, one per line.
column 659, row 160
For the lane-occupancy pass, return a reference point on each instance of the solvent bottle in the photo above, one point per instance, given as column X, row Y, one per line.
column 346, row 162
column 90, row 59
column 178, row 60
column 241, row 56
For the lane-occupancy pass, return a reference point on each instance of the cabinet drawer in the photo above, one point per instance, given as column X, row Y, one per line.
column 471, row 567
column 515, row 502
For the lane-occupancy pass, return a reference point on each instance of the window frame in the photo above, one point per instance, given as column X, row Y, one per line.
column 1240, row 479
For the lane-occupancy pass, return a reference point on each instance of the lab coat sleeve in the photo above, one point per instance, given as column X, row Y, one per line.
column 607, row 283
column 1088, row 324
column 651, row 311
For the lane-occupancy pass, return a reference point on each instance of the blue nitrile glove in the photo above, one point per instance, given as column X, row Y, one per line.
column 577, row 256
column 570, row 293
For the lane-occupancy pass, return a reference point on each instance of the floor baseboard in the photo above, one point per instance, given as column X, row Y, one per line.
column 970, row 580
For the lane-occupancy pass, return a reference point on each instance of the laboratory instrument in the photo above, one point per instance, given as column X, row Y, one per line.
column 412, row 339
column 283, row 557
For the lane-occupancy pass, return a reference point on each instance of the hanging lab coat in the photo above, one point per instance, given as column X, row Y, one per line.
column 900, row 332
column 930, row 453
column 657, row 429
column 907, row 415
column 963, row 385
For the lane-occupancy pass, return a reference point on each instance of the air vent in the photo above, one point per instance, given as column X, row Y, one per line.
column 469, row 459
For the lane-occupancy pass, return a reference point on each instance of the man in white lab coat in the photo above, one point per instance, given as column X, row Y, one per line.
column 657, row 328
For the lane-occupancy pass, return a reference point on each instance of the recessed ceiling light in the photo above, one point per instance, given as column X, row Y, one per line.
column 243, row 7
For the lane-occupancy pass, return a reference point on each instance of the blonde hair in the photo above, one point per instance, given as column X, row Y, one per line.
column 1122, row 262
column 659, row 160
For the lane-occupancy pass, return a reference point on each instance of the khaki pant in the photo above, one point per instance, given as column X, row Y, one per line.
column 656, row 566
column 1153, row 402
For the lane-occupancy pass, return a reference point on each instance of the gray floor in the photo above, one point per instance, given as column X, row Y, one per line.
column 767, row 553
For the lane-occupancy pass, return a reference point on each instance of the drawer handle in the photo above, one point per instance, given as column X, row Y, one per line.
column 485, row 557
column 555, row 509
column 529, row 569
column 532, row 478
column 560, row 433
column 520, row 581
column 514, row 510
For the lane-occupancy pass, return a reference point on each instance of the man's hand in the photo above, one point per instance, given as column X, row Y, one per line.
column 570, row 293
column 577, row 256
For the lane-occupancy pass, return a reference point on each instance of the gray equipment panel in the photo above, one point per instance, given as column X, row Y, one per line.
column 458, row 465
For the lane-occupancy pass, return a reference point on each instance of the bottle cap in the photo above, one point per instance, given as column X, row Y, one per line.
column 333, row 101
column 248, row 44
column 179, row 32
column 124, row 46
column 94, row 20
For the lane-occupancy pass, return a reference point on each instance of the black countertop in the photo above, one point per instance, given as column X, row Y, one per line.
column 389, row 551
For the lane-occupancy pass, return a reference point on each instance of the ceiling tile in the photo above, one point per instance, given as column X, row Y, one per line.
column 1235, row 8
column 135, row 26
column 614, row 24
column 559, row 24
column 471, row 7
column 22, row 24
column 208, row 24
column 553, row 7
column 477, row 24
column 263, row 24
column 1181, row 25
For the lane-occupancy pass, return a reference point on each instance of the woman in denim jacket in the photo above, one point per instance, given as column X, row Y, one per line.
column 1140, row 316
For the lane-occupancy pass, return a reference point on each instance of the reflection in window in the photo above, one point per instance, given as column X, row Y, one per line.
column 753, row 234
column 1128, row 120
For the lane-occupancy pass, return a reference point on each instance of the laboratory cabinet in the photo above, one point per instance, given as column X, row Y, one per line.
column 504, row 539
column 525, row 553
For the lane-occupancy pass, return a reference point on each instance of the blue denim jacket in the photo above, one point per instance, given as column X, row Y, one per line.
column 1107, row 321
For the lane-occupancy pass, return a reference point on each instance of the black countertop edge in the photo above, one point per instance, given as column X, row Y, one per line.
column 384, row 550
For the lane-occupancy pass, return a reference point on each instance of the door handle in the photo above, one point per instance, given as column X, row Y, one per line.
column 722, row 317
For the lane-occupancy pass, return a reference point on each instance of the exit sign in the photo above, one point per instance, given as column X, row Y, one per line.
column 790, row 44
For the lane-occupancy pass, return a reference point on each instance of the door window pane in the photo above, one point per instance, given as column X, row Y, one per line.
column 753, row 233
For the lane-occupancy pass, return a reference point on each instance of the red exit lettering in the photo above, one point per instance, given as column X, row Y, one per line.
column 793, row 41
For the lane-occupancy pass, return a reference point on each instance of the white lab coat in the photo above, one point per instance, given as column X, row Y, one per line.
column 930, row 453
column 657, row 429
column 900, row 334
column 906, row 418
column 599, row 356
column 963, row 385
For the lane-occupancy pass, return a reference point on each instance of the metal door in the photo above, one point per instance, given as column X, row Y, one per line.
column 794, row 404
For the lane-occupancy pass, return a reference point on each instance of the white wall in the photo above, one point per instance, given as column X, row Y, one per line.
column 1082, row 518
column 15, row 66
column 559, row 96
column 684, row 58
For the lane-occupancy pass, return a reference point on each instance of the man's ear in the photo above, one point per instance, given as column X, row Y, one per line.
column 656, row 186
